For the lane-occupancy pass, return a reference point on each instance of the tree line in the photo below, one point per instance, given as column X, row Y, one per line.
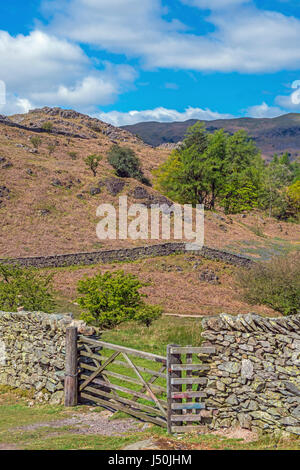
column 227, row 171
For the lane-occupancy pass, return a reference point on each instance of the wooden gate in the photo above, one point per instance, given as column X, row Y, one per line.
column 123, row 379
column 186, row 386
column 166, row 391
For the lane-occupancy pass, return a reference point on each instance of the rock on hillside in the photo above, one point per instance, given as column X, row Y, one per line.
column 67, row 122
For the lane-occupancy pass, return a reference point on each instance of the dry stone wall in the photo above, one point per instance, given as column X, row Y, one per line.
column 254, row 380
column 127, row 254
column 32, row 352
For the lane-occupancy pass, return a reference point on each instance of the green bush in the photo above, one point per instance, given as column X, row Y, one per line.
column 47, row 126
column 126, row 163
column 276, row 284
column 25, row 287
column 147, row 314
column 112, row 298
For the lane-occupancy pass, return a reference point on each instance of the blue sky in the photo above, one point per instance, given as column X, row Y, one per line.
column 127, row 61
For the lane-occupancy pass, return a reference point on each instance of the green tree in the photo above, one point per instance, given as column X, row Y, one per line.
column 112, row 298
column 278, row 175
column 242, row 182
column 182, row 177
column 25, row 287
column 216, row 164
column 126, row 163
column 239, row 195
column 92, row 162
column 293, row 199
column 196, row 136
column 295, row 166
column 210, row 168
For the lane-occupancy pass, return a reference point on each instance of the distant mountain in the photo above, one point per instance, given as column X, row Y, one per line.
column 272, row 135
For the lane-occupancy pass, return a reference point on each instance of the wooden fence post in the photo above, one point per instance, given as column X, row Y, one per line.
column 71, row 377
column 172, row 359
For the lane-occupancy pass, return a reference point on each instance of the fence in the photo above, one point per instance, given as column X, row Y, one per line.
column 166, row 391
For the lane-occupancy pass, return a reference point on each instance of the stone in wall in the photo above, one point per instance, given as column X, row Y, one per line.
column 254, row 379
column 125, row 254
column 32, row 352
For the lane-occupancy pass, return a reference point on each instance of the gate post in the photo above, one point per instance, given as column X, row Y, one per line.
column 171, row 388
column 71, row 375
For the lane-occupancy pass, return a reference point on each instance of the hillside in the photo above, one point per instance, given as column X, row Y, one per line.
column 49, row 197
column 275, row 135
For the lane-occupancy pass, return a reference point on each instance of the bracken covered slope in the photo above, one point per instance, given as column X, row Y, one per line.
column 49, row 197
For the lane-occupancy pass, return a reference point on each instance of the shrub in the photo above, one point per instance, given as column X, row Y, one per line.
column 147, row 314
column 275, row 283
column 126, row 163
column 51, row 148
column 36, row 141
column 25, row 287
column 112, row 298
column 73, row 155
column 47, row 126
column 92, row 162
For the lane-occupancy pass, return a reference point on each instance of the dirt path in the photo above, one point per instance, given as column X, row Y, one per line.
column 4, row 446
column 91, row 423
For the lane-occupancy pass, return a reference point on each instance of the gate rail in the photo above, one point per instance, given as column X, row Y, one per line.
column 185, row 391
column 130, row 387
column 154, row 388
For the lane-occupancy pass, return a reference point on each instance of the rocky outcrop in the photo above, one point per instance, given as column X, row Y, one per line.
column 114, row 185
column 66, row 122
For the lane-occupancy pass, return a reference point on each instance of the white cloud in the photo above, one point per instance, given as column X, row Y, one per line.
column 159, row 114
column 2, row 93
column 41, row 69
column 215, row 4
column 291, row 101
column 33, row 61
column 90, row 91
column 264, row 111
column 15, row 105
column 245, row 38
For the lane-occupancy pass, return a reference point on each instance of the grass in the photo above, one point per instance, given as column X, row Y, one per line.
column 15, row 413
column 264, row 250
column 81, row 442
column 166, row 330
